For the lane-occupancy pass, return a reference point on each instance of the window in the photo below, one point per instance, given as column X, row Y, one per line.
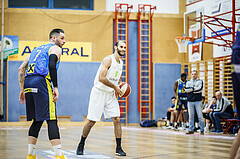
column 76, row 4
column 53, row 4
column 28, row 3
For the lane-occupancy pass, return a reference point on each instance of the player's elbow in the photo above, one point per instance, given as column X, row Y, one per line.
column 101, row 79
column 20, row 69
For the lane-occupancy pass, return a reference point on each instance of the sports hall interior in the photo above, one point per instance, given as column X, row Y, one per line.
column 97, row 28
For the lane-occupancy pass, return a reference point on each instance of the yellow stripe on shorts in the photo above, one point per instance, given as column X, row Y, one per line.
column 51, row 103
column 27, row 90
column 176, row 104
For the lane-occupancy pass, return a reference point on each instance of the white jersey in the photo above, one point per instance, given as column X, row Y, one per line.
column 113, row 75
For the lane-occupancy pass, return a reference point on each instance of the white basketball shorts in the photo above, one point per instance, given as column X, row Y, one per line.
column 102, row 102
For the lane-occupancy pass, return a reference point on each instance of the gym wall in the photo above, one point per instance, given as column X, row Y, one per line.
column 76, row 78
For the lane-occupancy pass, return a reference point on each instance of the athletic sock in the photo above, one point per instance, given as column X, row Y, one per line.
column 31, row 149
column 175, row 124
column 82, row 142
column 58, row 150
column 207, row 126
column 118, row 140
column 183, row 124
column 196, row 125
column 171, row 124
column 168, row 122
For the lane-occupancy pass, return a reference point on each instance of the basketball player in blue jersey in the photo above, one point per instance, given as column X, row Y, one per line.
column 103, row 99
column 181, row 96
column 35, row 88
column 235, row 150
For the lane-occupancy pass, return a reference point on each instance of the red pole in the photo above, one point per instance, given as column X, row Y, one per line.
column 233, row 20
column 139, row 58
column 116, row 12
column 127, row 20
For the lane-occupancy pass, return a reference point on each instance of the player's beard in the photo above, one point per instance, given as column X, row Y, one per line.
column 58, row 43
column 119, row 52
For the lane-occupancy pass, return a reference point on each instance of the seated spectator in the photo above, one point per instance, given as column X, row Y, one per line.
column 224, row 110
column 173, row 114
column 170, row 109
column 206, row 110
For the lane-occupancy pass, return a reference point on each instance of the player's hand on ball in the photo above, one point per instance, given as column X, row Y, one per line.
column 118, row 90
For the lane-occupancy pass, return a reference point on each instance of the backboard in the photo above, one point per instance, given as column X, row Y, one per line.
column 214, row 22
column 194, row 26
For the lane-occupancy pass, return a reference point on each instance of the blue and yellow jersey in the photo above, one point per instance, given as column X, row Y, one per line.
column 204, row 106
column 38, row 61
column 213, row 106
column 181, row 88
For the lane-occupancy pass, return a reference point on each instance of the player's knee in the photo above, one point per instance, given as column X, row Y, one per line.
column 91, row 123
column 215, row 114
column 35, row 128
column 116, row 120
column 53, row 130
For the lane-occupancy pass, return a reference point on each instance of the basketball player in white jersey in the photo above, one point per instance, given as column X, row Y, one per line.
column 103, row 99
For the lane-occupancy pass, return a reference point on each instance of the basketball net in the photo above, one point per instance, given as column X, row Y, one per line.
column 182, row 44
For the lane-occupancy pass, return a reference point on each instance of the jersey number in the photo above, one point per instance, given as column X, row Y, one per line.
column 39, row 51
column 116, row 73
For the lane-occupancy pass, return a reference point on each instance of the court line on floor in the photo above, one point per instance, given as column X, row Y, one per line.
column 182, row 133
column 22, row 128
column 71, row 154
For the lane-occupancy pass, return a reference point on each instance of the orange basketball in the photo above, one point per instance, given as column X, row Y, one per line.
column 126, row 89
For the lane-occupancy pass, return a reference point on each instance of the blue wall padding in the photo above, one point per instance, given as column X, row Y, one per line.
column 133, row 113
column 165, row 77
column 14, row 107
column 76, row 80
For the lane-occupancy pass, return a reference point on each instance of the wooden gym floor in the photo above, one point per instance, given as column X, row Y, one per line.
column 137, row 142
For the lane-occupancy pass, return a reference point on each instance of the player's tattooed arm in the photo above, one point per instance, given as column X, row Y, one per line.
column 21, row 72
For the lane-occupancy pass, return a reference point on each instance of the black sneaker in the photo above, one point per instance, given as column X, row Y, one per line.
column 196, row 129
column 120, row 152
column 80, row 149
column 176, row 128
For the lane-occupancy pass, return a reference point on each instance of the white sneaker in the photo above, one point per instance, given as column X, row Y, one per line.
column 176, row 129
column 206, row 130
column 181, row 128
column 166, row 127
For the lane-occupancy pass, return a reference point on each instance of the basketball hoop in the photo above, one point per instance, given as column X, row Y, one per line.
column 182, row 43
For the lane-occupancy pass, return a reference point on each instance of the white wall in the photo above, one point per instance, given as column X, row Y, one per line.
column 163, row 6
